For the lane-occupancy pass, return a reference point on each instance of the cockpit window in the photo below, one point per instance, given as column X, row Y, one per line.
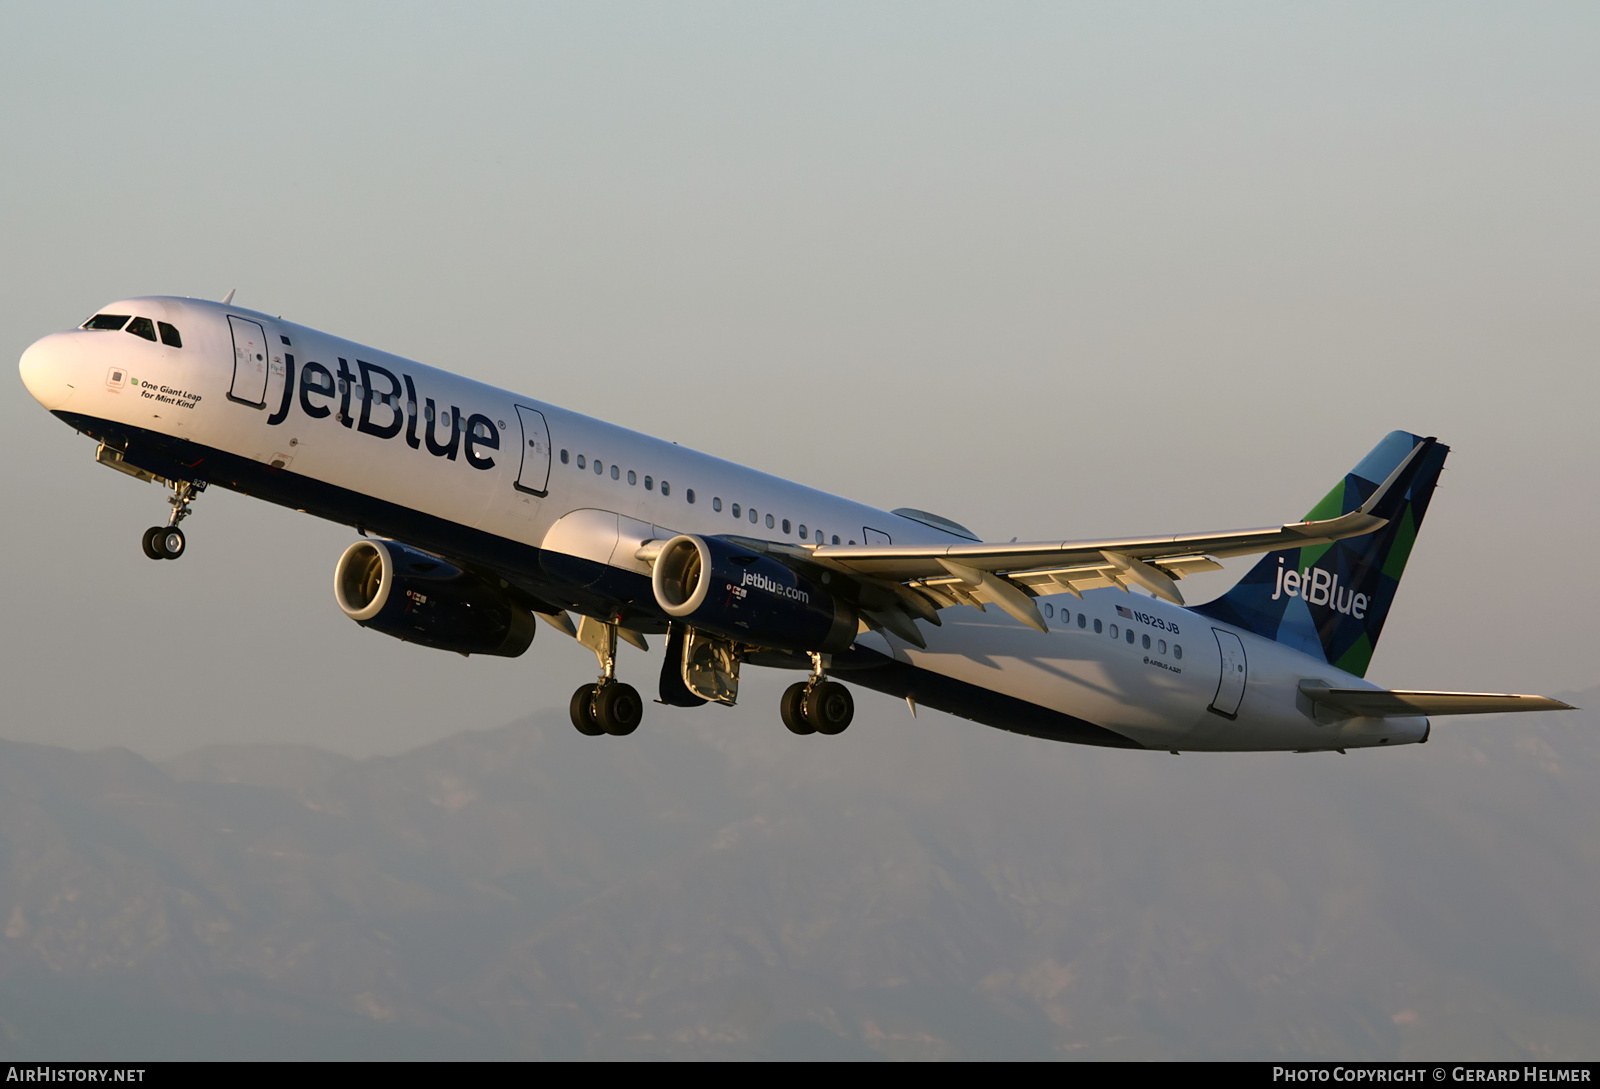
column 142, row 327
column 169, row 335
column 106, row 321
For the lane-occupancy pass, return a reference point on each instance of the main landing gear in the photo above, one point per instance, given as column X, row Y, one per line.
column 818, row 705
column 609, row 706
column 168, row 542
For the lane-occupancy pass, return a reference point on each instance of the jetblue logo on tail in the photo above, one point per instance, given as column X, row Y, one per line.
column 1318, row 587
column 1330, row 600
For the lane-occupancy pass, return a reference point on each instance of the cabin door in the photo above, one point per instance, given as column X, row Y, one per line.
column 1230, row 685
column 249, row 362
column 534, row 476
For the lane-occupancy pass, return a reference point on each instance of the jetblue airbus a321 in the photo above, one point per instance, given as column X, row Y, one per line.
column 489, row 509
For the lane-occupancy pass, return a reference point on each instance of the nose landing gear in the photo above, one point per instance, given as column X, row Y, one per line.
column 168, row 542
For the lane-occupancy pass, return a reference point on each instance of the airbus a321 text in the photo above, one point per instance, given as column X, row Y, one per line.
column 489, row 510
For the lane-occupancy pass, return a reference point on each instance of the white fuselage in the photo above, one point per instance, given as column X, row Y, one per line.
column 342, row 424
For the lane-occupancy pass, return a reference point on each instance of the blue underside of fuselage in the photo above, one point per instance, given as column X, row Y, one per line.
column 556, row 581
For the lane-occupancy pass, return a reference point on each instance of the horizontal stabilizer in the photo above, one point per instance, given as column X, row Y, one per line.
column 1385, row 703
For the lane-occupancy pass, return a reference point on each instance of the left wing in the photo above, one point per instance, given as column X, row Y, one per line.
column 900, row 583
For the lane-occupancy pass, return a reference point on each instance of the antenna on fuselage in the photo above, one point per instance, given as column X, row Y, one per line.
column 228, row 298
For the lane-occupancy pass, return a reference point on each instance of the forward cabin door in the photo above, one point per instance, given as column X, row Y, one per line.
column 1230, row 685
column 249, row 362
column 534, row 475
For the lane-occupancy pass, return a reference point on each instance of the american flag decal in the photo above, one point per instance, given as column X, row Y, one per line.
column 1125, row 612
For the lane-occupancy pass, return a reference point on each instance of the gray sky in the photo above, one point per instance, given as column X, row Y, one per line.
column 1052, row 270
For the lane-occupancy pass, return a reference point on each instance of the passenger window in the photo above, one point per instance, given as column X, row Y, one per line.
column 142, row 327
column 616, row 474
column 106, row 321
column 633, row 477
column 786, row 525
column 598, row 468
column 1097, row 625
column 563, row 453
column 1049, row 609
column 1146, row 641
column 170, row 337
column 771, row 522
column 1115, row 631
column 1177, row 651
column 753, row 516
column 689, row 495
column 666, row 489
column 802, row 531
column 1128, row 636
column 649, row 483
column 581, row 462
column 1161, row 646
column 736, row 511
column 835, row 538
column 1083, row 620
column 716, row 502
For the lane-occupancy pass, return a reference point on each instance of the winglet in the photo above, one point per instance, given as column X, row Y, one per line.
column 1381, row 506
column 1386, row 501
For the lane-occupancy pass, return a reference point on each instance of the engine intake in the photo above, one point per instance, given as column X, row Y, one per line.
column 716, row 585
column 420, row 598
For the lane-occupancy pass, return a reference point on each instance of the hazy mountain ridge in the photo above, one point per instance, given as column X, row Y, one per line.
column 915, row 889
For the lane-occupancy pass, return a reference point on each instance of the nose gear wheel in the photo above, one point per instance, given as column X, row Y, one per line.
column 164, row 542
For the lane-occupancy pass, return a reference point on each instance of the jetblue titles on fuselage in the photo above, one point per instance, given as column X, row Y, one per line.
column 383, row 413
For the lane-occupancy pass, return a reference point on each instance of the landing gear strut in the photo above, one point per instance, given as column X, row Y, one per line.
column 818, row 705
column 168, row 542
column 609, row 706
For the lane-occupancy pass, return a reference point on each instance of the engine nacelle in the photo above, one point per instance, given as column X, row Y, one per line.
column 419, row 598
column 713, row 584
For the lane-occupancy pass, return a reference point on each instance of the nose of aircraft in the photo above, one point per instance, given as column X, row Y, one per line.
column 50, row 369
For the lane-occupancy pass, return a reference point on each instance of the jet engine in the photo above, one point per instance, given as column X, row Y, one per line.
column 718, row 586
column 420, row 598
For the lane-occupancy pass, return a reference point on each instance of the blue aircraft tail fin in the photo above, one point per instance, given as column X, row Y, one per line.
column 1330, row 600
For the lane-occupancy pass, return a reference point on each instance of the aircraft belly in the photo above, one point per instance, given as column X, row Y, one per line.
column 1074, row 673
